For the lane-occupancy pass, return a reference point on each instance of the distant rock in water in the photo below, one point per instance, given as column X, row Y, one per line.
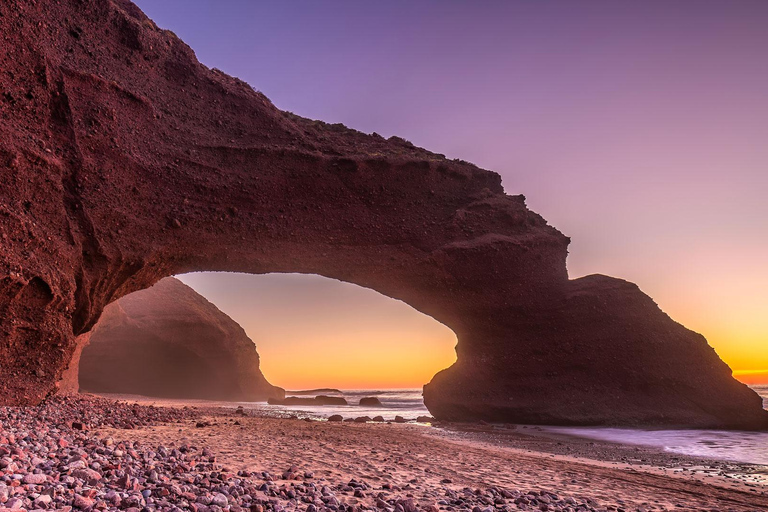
column 169, row 341
column 318, row 391
column 371, row 401
column 318, row 400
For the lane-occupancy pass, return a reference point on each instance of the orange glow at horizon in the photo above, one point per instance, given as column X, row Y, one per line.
column 755, row 377
column 711, row 289
column 313, row 332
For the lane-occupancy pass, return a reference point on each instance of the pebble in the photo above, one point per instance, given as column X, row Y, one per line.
column 51, row 459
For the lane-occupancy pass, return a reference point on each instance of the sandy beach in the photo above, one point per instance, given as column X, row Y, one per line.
column 433, row 465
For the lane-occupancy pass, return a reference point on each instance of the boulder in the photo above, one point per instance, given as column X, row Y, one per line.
column 335, row 417
column 370, row 401
column 124, row 160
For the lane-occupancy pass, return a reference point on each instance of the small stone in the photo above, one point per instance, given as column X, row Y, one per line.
column 35, row 478
column 89, row 476
column 43, row 500
column 82, row 502
column 14, row 504
column 220, row 500
column 78, row 464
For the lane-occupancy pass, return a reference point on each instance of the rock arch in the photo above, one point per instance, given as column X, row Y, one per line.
column 124, row 160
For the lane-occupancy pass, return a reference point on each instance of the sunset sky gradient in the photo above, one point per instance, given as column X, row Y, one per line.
column 640, row 129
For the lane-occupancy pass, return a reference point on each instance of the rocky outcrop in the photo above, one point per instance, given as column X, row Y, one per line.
column 615, row 350
column 169, row 341
column 124, row 161
column 370, row 401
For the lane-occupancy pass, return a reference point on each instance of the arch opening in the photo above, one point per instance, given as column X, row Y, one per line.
column 310, row 331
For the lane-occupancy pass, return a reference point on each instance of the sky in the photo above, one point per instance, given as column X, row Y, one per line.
column 313, row 332
column 639, row 129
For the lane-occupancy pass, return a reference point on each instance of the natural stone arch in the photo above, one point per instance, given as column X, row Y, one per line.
column 124, row 160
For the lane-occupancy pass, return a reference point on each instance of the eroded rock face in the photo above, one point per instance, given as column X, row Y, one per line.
column 169, row 341
column 124, row 161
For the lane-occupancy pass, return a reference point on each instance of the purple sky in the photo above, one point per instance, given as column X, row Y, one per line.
column 640, row 129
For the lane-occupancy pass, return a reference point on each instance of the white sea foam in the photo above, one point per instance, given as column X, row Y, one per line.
column 737, row 446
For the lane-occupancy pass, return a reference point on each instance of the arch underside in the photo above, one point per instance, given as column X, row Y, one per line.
column 124, row 161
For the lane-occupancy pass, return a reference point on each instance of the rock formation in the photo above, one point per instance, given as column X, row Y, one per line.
column 124, row 160
column 169, row 341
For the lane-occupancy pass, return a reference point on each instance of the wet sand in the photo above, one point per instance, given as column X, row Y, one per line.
column 428, row 463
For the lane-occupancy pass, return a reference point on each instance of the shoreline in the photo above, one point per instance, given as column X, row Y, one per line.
column 527, row 439
column 625, row 477
column 89, row 453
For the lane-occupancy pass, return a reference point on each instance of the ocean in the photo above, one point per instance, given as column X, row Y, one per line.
column 728, row 445
column 407, row 403
column 736, row 446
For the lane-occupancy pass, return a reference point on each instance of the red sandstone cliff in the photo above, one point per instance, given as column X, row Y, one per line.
column 124, row 160
column 168, row 341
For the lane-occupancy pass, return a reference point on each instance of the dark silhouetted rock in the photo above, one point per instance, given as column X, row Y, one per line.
column 169, row 341
column 400, row 419
column 378, row 418
column 362, row 419
column 335, row 417
column 124, row 160
column 425, row 419
column 370, row 401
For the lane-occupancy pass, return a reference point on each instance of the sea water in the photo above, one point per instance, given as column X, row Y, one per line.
column 729, row 445
column 407, row 403
column 737, row 446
